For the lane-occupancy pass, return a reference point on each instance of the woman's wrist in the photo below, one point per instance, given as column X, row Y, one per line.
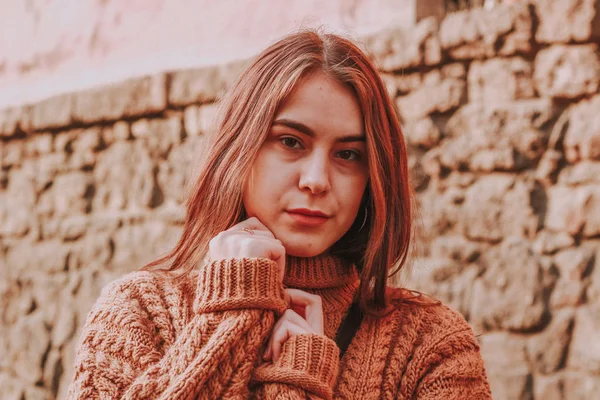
column 311, row 359
column 239, row 283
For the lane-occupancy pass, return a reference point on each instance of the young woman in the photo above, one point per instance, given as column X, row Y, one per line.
column 278, row 285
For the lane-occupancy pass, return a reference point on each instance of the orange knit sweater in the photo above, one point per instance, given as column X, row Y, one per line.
column 150, row 337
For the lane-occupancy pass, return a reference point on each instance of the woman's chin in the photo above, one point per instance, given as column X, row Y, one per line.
column 303, row 250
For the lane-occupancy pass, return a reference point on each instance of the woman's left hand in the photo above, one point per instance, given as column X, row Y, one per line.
column 305, row 315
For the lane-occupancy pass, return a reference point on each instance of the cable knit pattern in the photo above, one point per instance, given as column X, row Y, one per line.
column 150, row 337
column 311, row 361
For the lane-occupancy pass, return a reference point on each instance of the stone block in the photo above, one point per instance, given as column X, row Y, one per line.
column 11, row 387
column 12, row 153
column 68, row 356
column 510, row 293
column 45, row 168
column 581, row 386
column 396, row 49
column 202, row 85
column 563, row 21
column 501, row 137
column 131, row 98
column 71, row 193
column 548, row 349
column 207, row 117
column 73, row 227
column 138, row 244
column 10, row 120
column 29, row 259
column 548, row 387
column 547, row 242
column 199, row 120
column 448, row 280
column 440, row 97
column 582, row 173
column 500, row 80
column 15, row 222
column 131, row 185
column 176, row 173
column 93, row 252
column 119, row 131
column 455, row 247
column 574, row 264
column 506, row 365
column 593, row 290
column 63, row 142
column 423, row 133
column 582, row 138
column 17, row 301
column 158, row 135
column 406, row 82
column 36, row 393
column 497, row 206
column 53, row 369
column 548, row 166
column 443, row 210
column 481, row 33
column 510, row 117
column 68, row 228
column 567, row 293
column 567, row 71
column 191, row 121
column 39, row 144
column 584, row 351
column 575, row 210
column 54, row 112
column 29, row 341
column 84, row 147
column 454, row 70
column 16, row 218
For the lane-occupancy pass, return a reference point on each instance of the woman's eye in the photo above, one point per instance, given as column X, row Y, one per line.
column 349, row 155
column 290, row 142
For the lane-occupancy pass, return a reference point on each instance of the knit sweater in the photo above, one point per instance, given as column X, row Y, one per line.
column 148, row 336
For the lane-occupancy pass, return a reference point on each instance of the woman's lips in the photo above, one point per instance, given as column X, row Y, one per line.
column 307, row 220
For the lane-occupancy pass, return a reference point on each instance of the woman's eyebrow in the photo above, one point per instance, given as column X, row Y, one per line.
column 309, row 132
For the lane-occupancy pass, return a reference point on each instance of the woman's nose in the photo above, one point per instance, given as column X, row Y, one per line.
column 314, row 175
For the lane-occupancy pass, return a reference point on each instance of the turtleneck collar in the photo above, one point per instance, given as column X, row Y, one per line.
column 319, row 272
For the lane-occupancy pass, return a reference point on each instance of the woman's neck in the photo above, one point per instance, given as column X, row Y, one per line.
column 319, row 272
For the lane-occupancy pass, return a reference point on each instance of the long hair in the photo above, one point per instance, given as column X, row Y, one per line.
column 246, row 116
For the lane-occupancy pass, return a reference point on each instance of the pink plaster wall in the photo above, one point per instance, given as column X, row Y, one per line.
column 53, row 46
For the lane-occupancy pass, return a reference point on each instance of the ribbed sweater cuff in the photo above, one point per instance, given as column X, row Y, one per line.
column 308, row 361
column 239, row 283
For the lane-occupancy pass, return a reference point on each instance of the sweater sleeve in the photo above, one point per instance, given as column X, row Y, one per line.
column 124, row 352
column 307, row 368
column 454, row 369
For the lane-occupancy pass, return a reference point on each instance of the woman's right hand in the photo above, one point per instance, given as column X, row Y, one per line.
column 251, row 239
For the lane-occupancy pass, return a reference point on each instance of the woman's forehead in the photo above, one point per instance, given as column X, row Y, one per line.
column 322, row 104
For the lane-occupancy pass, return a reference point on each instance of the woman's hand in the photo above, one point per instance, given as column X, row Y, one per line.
column 249, row 238
column 305, row 315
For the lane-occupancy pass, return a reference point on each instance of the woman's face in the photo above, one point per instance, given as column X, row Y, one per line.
column 313, row 162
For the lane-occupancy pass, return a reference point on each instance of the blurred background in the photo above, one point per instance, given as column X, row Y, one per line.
column 104, row 106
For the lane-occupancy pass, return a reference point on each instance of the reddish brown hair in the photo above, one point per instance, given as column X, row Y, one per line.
column 245, row 121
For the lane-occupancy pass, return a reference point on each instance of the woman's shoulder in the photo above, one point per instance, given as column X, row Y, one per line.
column 431, row 320
column 144, row 289
column 132, row 284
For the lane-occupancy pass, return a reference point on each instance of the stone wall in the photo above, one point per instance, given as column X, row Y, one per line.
column 61, row 46
column 501, row 111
